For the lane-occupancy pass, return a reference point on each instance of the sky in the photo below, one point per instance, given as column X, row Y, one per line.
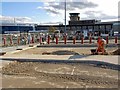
column 52, row 11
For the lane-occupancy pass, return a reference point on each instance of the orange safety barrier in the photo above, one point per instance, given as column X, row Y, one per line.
column 90, row 40
column 107, row 40
column 40, row 40
column 32, row 39
column 48, row 39
column 74, row 40
column 116, row 39
column 18, row 40
column 11, row 40
column 4, row 40
column 56, row 39
column 82, row 40
column 65, row 39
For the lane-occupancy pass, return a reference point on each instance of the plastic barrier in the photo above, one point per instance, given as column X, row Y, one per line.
column 4, row 40
column 11, row 40
column 90, row 40
column 32, row 39
column 48, row 39
column 107, row 40
column 18, row 40
column 116, row 39
column 82, row 40
column 74, row 40
column 40, row 40
column 65, row 39
column 56, row 40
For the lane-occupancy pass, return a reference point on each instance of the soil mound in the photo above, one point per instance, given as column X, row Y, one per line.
column 117, row 52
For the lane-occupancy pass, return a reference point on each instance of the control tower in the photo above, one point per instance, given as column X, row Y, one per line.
column 74, row 17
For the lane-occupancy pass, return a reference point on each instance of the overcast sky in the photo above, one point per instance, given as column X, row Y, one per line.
column 52, row 11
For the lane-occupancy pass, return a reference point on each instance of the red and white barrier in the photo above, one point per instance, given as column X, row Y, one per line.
column 32, row 40
column 56, row 39
column 107, row 40
column 90, row 40
column 48, row 39
column 116, row 39
column 40, row 40
column 74, row 40
column 82, row 40
column 4, row 40
column 18, row 40
column 11, row 40
column 65, row 39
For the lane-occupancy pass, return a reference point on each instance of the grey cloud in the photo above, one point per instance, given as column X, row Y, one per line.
column 100, row 15
column 52, row 23
column 70, row 6
column 52, row 11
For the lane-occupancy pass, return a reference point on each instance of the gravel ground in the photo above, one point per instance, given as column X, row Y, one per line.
column 57, row 75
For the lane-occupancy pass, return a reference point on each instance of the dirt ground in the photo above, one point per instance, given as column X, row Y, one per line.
column 81, row 51
column 57, row 75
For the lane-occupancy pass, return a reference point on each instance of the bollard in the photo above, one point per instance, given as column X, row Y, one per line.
column 90, row 40
column 4, row 40
column 65, row 39
column 74, row 40
column 48, row 39
column 56, row 39
column 98, row 37
column 40, row 40
column 107, row 40
column 18, row 40
column 11, row 40
column 32, row 39
column 82, row 40
column 116, row 39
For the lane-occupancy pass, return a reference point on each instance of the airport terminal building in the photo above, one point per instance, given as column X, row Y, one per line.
column 75, row 24
column 95, row 26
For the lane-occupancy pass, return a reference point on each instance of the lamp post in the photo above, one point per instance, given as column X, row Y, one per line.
column 65, row 18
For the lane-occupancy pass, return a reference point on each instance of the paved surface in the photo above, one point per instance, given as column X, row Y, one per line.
column 13, row 48
column 59, row 71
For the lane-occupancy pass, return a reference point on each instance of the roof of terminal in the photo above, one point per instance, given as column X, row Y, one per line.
column 74, row 13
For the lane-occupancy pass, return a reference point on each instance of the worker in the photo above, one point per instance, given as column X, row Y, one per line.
column 101, row 46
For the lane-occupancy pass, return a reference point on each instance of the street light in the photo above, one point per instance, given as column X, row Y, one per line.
column 65, row 18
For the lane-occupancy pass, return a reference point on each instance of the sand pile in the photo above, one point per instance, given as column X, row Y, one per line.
column 117, row 52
